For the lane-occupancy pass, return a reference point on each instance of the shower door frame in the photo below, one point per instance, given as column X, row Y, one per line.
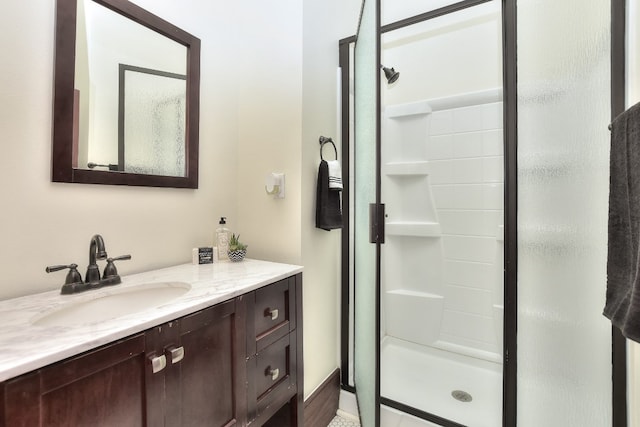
column 619, row 393
column 509, row 394
column 618, row 104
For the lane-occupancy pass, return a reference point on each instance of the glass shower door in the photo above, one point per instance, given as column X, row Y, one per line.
column 365, row 280
column 442, row 185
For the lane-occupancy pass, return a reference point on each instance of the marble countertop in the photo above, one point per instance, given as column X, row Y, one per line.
column 25, row 346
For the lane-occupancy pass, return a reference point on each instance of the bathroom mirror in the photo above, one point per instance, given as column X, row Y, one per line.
column 126, row 97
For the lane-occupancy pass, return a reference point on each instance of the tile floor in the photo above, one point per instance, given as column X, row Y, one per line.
column 338, row 421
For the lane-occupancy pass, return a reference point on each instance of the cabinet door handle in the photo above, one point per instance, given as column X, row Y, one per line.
column 275, row 373
column 158, row 363
column 273, row 312
column 176, row 353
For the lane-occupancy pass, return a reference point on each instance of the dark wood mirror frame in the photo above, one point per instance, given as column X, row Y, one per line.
column 63, row 99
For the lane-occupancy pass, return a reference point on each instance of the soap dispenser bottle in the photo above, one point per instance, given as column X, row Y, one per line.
column 222, row 239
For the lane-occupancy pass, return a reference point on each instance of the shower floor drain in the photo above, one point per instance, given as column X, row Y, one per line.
column 462, row 396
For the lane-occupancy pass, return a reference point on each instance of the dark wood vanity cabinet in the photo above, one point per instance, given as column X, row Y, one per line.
column 188, row 372
column 104, row 387
column 233, row 364
column 202, row 382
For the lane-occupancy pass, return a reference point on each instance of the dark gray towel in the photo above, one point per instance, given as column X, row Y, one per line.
column 328, row 211
column 623, row 266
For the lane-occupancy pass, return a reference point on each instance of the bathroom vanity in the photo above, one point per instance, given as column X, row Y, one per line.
column 226, row 352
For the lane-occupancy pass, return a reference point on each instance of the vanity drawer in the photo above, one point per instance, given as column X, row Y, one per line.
column 273, row 314
column 274, row 352
column 273, row 374
column 272, row 366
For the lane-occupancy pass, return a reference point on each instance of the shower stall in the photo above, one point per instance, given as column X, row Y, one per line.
column 435, row 237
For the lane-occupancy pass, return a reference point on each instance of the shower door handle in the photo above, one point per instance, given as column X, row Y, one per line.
column 376, row 223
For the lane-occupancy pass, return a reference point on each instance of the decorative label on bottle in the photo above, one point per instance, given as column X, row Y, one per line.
column 222, row 240
column 223, row 245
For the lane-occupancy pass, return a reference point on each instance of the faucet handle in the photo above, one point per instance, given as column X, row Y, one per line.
column 73, row 276
column 110, row 269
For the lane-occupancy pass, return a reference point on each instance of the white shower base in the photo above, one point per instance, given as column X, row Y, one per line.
column 424, row 377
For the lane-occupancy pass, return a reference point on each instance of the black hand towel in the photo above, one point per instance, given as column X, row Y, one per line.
column 623, row 266
column 328, row 211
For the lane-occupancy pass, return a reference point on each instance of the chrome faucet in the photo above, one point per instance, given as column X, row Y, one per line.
column 73, row 283
column 96, row 251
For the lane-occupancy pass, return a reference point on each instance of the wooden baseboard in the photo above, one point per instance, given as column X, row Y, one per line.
column 322, row 405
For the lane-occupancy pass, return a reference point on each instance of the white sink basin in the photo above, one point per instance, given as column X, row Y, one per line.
column 116, row 303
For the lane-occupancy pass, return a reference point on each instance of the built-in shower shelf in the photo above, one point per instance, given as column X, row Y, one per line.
column 418, row 229
column 411, row 293
column 406, row 168
column 409, row 109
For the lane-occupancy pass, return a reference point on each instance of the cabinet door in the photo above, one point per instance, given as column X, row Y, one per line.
column 105, row 387
column 207, row 367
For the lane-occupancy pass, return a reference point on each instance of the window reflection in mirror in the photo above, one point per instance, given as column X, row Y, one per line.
column 130, row 90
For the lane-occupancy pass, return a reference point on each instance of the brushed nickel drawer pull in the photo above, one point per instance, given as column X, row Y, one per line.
column 176, row 353
column 275, row 373
column 273, row 312
column 158, row 363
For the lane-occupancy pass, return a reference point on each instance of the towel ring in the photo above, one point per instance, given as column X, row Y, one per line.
column 323, row 141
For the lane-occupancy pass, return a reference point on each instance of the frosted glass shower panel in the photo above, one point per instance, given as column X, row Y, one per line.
column 366, row 345
column 564, row 342
column 153, row 114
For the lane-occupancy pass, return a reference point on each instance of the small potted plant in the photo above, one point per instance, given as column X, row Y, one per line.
column 237, row 250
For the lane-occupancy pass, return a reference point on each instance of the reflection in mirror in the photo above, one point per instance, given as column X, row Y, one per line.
column 151, row 115
column 104, row 42
column 126, row 97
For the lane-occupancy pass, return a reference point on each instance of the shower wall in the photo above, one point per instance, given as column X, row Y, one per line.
column 443, row 187
column 449, row 55
column 442, row 183
column 465, row 151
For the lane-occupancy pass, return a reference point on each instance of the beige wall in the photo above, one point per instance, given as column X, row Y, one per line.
column 42, row 223
column 269, row 127
column 267, row 93
column 287, row 99
column 324, row 23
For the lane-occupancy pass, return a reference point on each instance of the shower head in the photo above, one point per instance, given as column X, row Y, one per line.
column 391, row 74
